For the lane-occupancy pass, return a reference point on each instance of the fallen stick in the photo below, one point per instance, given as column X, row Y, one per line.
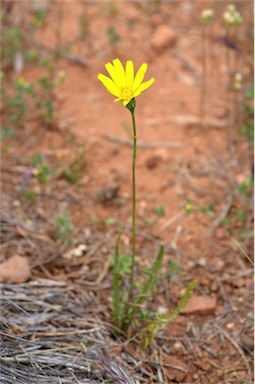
column 187, row 120
column 119, row 140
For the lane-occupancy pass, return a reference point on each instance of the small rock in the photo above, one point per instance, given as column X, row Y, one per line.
column 75, row 252
column 200, row 305
column 15, row 270
column 107, row 194
column 163, row 38
column 153, row 162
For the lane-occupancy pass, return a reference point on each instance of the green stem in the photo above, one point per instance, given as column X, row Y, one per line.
column 126, row 318
column 133, row 207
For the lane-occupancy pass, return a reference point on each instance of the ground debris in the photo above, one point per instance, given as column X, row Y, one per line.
column 46, row 339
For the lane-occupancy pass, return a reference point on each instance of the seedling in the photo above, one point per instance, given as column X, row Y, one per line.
column 208, row 209
column 64, row 228
column 110, row 221
column 39, row 17
column 247, row 129
column 41, row 171
column 245, row 188
column 76, row 167
column 94, row 218
column 149, row 223
column 113, row 36
column 160, row 211
column 189, row 207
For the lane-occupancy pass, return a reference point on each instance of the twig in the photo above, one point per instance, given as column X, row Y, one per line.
column 234, row 343
column 241, row 274
column 225, row 209
column 116, row 139
column 187, row 120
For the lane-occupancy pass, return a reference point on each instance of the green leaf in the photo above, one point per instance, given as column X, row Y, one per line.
column 110, row 221
column 146, row 288
column 160, row 211
column 147, row 334
column 149, row 284
column 38, row 159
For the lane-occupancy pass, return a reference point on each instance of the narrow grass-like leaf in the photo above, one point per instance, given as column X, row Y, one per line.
column 153, row 274
column 245, row 254
column 116, row 302
column 146, row 289
column 148, row 332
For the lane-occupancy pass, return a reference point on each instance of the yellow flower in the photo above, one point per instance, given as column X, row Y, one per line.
column 123, row 84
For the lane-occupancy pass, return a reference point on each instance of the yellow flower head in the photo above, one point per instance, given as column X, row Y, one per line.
column 123, row 84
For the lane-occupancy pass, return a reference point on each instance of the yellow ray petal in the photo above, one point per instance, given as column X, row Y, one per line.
column 144, row 86
column 120, row 73
column 129, row 73
column 125, row 102
column 140, row 76
column 111, row 70
column 109, row 84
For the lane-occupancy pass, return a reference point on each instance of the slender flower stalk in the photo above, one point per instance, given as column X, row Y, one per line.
column 133, row 205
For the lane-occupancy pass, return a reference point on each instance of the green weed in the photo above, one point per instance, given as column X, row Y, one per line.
column 160, row 211
column 247, row 129
column 189, row 207
column 64, row 228
column 208, row 209
column 76, row 166
column 113, row 36
column 42, row 171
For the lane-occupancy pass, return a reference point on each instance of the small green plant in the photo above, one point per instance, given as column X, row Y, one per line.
column 149, row 223
column 39, row 17
column 84, row 24
column 76, row 166
column 6, row 133
column 113, row 36
column 30, row 195
column 189, row 207
column 208, row 209
column 245, row 188
column 130, row 294
column 109, row 221
column 45, row 100
column 159, row 321
column 42, row 171
column 94, row 218
column 247, row 129
column 64, row 228
column 160, row 211
column 111, row 8
column 12, row 42
column 18, row 105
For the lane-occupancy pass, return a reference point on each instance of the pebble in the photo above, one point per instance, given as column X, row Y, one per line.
column 164, row 37
column 15, row 270
column 200, row 305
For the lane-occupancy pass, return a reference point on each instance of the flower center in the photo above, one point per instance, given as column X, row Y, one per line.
column 127, row 94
